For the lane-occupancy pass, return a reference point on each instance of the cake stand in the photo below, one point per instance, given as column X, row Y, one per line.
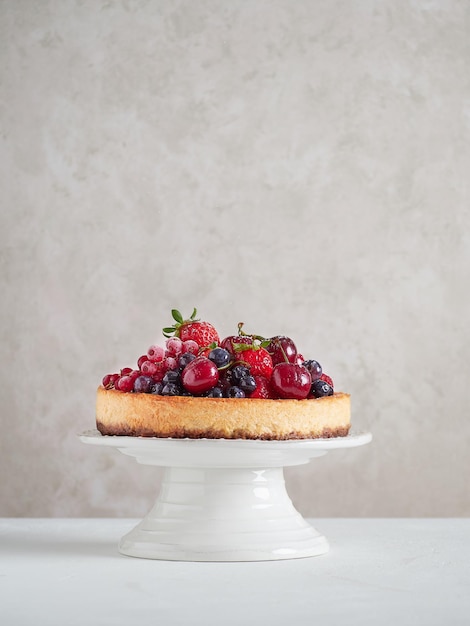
column 223, row 499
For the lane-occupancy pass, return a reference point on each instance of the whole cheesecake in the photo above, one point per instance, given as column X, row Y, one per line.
column 148, row 415
column 241, row 387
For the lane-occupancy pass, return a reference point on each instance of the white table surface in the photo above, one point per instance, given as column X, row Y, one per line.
column 378, row 571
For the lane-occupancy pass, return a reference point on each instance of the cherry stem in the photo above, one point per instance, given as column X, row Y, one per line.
column 283, row 353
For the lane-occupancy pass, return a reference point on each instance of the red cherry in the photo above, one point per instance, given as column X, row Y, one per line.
column 282, row 348
column 232, row 341
column 291, row 381
column 200, row 375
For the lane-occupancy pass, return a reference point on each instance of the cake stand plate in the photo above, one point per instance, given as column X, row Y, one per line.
column 223, row 499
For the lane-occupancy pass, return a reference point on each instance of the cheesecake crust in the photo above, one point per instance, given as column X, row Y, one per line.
column 147, row 415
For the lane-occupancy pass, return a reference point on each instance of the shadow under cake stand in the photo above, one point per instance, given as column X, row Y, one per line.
column 223, row 499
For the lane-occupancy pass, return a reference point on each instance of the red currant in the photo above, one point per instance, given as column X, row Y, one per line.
column 155, row 354
column 124, row 383
column 109, row 380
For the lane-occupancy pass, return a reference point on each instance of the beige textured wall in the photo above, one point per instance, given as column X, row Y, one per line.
column 302, row 166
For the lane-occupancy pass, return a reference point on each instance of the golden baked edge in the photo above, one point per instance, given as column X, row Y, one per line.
column 147, row 415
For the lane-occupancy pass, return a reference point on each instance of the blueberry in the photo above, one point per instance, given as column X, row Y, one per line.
column 215, row 392
column 248, row 384
column 220, row 357
column 172, row 376
column 143, row 384
column 184, row 359
column 321, row 388
column 314, row 368
column 171, row 389
column 156, row 389
column 238, row 373
column 235, row 392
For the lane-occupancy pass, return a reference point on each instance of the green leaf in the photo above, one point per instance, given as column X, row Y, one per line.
column 168, row 331
column 177, row 316
column 193, row 314
column 265, row 343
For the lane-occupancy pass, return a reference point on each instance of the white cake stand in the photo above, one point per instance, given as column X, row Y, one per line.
column 222, row 499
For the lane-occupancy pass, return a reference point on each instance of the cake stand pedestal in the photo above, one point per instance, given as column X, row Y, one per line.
column 222, row 499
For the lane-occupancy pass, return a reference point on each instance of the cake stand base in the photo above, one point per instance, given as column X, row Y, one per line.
column 223, row 515
column 223, row 500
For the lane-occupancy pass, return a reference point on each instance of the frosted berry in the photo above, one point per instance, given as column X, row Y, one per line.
column 126, row 371
column 215, row 392
column 124, row 383
column 170, row 363
column 174, row 346
column 191, row 347
column 141, row 360
column 155, row 354
column 149, row 368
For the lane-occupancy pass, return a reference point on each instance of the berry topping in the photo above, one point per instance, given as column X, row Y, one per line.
column 321, row 388
column 200, row 375
column 195, row 362
column 203, row 333
column 291, row 381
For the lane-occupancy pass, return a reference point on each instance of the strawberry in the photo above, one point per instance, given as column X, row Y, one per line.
column 258, row 360
column 203, row 333
column 263, row 389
